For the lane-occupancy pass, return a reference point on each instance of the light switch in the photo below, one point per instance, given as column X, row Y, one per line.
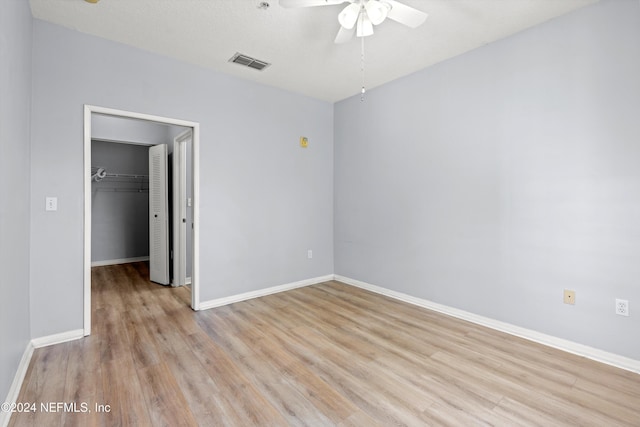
column 51, row 204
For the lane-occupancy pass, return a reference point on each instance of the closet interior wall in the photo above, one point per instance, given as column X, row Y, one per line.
column 120, row 202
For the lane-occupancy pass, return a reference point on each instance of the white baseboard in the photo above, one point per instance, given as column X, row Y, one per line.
column 531, row 335
column 18, row 379
column 263, row 292
column 16, row 385
column 57, row 338
column 118, row 261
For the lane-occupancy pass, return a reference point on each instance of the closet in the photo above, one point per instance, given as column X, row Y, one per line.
column 120, row 195
column 119, row 203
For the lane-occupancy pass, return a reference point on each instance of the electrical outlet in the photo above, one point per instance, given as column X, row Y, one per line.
column 569, row 297
column 309, row 254
column 622, row 307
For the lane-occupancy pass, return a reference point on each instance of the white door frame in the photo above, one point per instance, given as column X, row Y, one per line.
column 195, row 268
column 179, row 183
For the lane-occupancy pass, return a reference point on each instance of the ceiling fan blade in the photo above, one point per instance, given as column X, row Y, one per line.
column 310, row 3
column 344, row 35
column 405, row 14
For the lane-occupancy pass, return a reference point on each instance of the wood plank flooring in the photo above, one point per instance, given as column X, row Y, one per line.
column 323, row 355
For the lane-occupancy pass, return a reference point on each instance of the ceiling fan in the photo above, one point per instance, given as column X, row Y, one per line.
column 360, row 16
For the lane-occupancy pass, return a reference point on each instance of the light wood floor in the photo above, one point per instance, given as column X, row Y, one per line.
column 327, row 354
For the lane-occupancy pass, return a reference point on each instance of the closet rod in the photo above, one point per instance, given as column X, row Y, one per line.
column 100, row 173
column 123, row 190
column 125, row 175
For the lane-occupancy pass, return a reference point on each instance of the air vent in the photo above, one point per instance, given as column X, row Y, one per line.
column 248, row 61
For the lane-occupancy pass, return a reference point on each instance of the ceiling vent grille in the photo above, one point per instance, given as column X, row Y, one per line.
column 248, row 61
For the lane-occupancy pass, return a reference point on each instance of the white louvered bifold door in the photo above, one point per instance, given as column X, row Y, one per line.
column 158, row 215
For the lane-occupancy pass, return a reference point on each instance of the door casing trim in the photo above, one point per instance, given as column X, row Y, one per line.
column 195, row 268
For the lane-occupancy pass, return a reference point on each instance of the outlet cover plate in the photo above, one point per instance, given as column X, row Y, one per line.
column 622, row 307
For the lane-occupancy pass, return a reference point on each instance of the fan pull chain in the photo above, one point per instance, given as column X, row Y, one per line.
column 362, row 67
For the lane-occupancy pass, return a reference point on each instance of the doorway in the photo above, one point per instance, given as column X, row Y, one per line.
column 192, row 246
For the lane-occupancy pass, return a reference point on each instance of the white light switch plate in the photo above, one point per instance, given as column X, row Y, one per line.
column 51, row 204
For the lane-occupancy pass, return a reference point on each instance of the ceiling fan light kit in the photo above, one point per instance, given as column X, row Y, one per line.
column 359, row 17
column 362, row 15
column 349, row 16
column 377, row 11
column 365, row 27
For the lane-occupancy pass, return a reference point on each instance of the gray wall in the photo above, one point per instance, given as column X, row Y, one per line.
column 264, row 201
column 119, row 210
column 495, row 180
column 15, row 100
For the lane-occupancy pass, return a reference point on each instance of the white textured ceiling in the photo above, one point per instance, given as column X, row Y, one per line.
column 299, row 42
